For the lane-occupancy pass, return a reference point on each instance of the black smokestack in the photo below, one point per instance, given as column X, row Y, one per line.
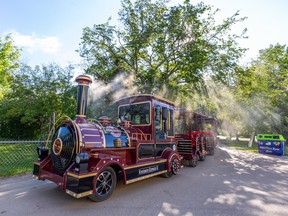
column 82, row 94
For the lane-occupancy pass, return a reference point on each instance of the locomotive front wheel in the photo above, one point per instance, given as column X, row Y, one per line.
column 104, row 185
column 193, row 162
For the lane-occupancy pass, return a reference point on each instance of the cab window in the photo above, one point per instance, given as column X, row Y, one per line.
column 163, row 122
column 138, row 114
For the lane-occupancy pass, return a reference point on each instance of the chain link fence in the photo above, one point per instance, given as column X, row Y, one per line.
column 17, row 157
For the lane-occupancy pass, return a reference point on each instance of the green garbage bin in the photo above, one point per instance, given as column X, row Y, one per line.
column 271, row 144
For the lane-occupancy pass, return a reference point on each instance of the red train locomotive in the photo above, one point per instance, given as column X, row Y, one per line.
column 193, row 141
column 85, row 158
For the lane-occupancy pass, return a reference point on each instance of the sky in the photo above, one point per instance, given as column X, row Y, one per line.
column 49, row 31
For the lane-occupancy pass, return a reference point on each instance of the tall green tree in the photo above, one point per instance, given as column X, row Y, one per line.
column 176, row 46
column 37, row 93
column 262, row 89
column 9, row 55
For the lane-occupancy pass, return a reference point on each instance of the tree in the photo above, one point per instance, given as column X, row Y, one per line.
column 262, row 89
column 35, row 94
column 175, row 46
column 9, row 55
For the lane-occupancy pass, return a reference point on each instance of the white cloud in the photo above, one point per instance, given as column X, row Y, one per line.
column 35, row 43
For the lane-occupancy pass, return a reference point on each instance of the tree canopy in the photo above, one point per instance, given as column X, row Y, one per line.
column 180, row 52
column 178, row 46
column 9, row 55
column 262, row 88
column 34, row 96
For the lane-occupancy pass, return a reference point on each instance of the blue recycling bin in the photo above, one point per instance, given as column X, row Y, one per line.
column 271, row 144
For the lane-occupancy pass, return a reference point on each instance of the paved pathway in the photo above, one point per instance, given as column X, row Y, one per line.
column 229, row 183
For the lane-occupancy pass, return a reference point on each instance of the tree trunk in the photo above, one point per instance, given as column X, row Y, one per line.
column 252, row 139
column 237, row 136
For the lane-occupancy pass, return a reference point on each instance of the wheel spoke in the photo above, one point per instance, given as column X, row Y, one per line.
column 100, row 178
column 108, row 186
column 106, row 176
column 103, row 188
column 100, row 186
column 109, row 181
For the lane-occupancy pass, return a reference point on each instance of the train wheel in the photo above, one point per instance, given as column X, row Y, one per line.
column 202, row 157
column 203, row 149
column 104, row 185
column 193, row 162
column 175, row 166
column 174, row 169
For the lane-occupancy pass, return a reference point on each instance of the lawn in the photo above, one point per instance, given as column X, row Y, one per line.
column 17, row 158
column 242, row 144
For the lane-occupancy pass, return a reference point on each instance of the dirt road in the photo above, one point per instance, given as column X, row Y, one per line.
column 229, row 183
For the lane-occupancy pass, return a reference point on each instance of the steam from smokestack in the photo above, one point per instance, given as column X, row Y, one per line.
column 120, row 86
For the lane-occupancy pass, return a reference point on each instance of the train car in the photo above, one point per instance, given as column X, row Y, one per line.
column 86, row 158
column 193, row 142
column 209, row 140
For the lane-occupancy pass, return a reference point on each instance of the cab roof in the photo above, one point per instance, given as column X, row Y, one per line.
column 143, row 98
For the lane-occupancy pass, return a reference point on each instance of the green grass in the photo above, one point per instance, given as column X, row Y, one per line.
column 17, row 158
column 242, row 144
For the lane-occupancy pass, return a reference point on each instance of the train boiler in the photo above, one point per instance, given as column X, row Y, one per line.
column 86, row 158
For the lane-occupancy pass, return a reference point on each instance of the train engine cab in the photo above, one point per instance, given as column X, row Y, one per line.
column 87, row 157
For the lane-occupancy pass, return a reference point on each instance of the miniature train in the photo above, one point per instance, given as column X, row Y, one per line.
column 86, row 158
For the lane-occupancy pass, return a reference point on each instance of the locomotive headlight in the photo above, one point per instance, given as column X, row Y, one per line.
column 42, row 152
column 81, row 160
column 174, row 147
column 77, row 159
